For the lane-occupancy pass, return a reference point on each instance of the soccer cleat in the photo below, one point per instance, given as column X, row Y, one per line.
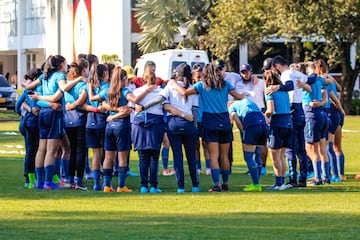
column 315, row 183
column 225, row 187
column 39, row 185
column 81, row 187
column 132, row 174
column 208, row 171
column 301, row 184
column 357, row 176
column 325, row 181
column 26, row 185
column 143, row 190
column 97, row 187
column 199, row 171
column 264, row 171
column 173, row 172
column 180, row 190
column 253, row 188
column 195, row 189
column 166, row 172
column 32, row 185
column 310, row 175
column 343, row 178
column 52, row 186
column 283, row 187
column 291, row 184
column 66, row 184
column 216, row 188
column 273, row 188
column 123, row 189
column 108, row 189
column 56, row 179
column 155, row 190
column 89, row 175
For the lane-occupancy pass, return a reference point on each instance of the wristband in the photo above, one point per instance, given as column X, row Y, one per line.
column 94, row 109
column 182, row 115
column 62, row 91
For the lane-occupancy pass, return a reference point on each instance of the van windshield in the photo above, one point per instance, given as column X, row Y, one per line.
column 175, row 64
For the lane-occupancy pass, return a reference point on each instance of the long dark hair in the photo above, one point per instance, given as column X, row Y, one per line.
column 96, row 73
column 271, row 77
column 77, row 67
column 52, row 64
column 212, row 77
column 117, row 82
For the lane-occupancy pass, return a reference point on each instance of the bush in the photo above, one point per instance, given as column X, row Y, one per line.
column 355, row 107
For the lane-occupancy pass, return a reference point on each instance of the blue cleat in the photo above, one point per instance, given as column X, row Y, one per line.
column 155, row 190
column 180, row 190
column 143, row 190
column 195, row 189
column 132, row 174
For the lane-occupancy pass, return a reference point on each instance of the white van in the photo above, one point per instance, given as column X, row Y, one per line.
column 166, row 61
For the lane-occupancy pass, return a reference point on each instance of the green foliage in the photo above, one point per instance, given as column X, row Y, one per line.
column 113, row 58
column 159, row 20
column 355, row 107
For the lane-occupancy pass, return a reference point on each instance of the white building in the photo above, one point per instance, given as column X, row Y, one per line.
column 31, row 30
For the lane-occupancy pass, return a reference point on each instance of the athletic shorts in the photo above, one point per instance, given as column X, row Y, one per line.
column 280, row 138
column 254, row 135
column 117, row 136
column 50, row 124
column 95, row 137
column 220, row 136
column 313, row 128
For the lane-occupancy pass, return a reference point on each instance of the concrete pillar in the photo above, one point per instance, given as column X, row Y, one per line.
column 125, row 28
column 21, row 52
column 243, row 54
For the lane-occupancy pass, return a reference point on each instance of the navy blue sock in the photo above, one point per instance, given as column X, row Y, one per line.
column 107, row 177
column 332, row 160
column 258, row 161
column 341, row 164
column 165, row 157
column 215, row 175
column 122, row 176
column 49, row 173
column 282, row 180
column 325, row 169
column 207, row 163
column 40, row 172
column 57, row 166
column 278, row 181
column 252, row 166
column 317, row 170
column 225, row 175
column 66, row 165
column 96, row 174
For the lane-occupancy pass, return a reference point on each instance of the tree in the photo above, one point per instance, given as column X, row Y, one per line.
column 336, row 21
column 159, row 20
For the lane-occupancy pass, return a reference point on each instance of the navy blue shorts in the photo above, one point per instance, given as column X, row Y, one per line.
column 314, row 125
column 280, row 137
column 95, row 137
column 50, row 124
column 254, row 135
column 220, row 136
column 117, row 135
column 335, row 119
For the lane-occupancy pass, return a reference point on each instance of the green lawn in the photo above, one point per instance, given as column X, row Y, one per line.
column 326, row 212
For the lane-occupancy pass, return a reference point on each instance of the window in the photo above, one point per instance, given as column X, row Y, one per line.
column 8, row 23
column 35, row 17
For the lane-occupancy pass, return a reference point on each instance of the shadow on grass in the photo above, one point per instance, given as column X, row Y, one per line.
column 132, row 225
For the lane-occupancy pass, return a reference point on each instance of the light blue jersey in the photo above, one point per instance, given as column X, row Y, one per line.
column 73, row 94
column 51, row 85
column 315, row 92
column 213, row 100
column 122, row 101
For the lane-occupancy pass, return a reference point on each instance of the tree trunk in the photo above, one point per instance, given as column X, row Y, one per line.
column 348, row 77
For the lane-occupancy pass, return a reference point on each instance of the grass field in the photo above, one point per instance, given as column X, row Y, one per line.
column 326, row 212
